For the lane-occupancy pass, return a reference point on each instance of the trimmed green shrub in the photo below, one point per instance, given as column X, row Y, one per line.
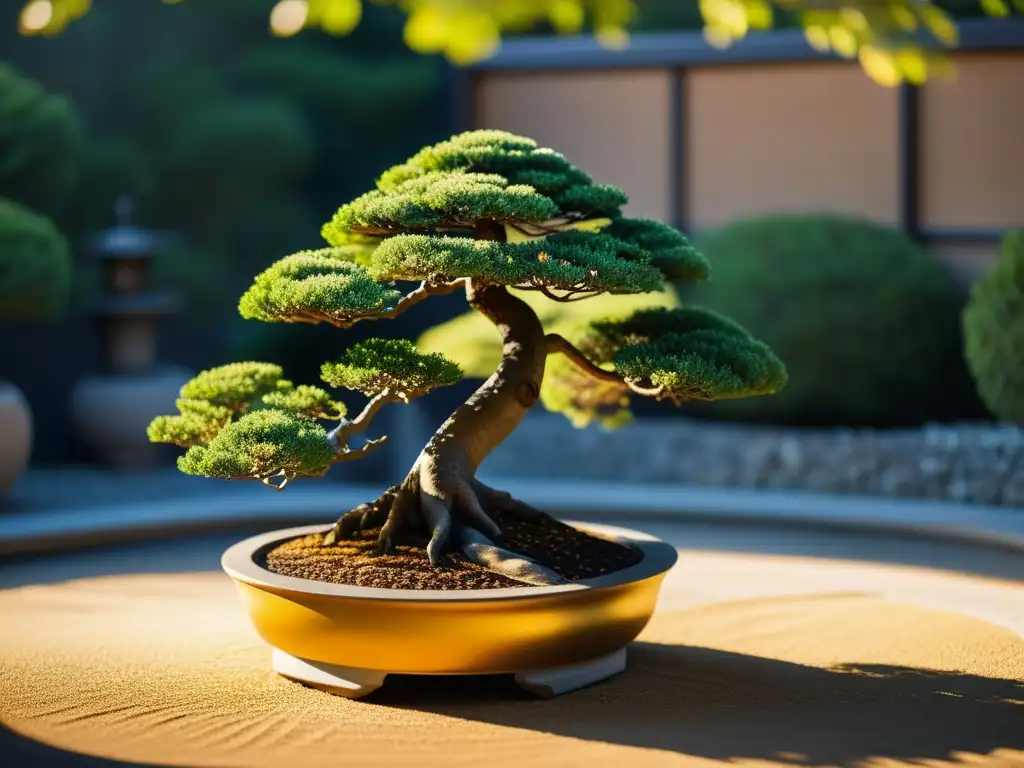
column 866, row 320
column 39, row 143
column 35, row 267
column 994, row 332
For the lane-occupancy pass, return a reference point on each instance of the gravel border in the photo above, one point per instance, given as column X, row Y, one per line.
column 967, row 463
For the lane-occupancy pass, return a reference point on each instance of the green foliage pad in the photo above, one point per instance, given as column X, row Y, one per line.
column 683, row 353
column 393, row 364
column 213, row 398
column 262, row 444
column 567, row 261
column 316, row 286
column 517, row 159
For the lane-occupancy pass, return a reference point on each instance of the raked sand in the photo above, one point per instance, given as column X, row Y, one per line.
column 752, row 660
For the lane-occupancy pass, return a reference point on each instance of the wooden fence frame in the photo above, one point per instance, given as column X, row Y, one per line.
column 678, row 52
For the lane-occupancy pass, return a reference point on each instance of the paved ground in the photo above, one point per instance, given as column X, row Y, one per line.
column 770, row 648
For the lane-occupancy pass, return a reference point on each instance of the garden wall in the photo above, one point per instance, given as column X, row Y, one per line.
column 700, row 137
column 967, row 463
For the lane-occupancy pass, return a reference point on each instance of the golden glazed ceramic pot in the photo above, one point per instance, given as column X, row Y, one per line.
column 347, row 639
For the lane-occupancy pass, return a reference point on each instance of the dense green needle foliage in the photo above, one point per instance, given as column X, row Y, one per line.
column 687, row 353
column 993, row 322
column 375, row 365
column 243, row 420
column 693, row 354
column 517, row 159
column 235, row 385
column 197, row 423
column 669, row 250
column 262, row 444
column 571, row 261
column 306, row 402
column 312, row 286
column 35, row 265
column 438, row 200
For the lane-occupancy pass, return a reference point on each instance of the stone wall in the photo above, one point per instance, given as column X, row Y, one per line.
column 972, row 463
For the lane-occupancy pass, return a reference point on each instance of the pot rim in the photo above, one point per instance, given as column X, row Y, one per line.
column 239, row 562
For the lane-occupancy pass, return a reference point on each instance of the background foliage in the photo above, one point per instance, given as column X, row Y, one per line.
column 238, row 142
column 994, row 332
column 887, row 37
column 866, row 320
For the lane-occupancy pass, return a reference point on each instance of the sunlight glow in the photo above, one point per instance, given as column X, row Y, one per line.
column 36, row 15
column 289, row 17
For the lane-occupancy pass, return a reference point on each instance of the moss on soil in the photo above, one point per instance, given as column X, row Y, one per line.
column 566, row 550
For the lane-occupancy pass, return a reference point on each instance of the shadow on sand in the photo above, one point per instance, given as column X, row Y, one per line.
column 713, row 704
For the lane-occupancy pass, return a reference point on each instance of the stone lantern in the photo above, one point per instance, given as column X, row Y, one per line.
column 112, row 409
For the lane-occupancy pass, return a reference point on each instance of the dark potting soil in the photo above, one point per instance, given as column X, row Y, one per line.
column 568, row 551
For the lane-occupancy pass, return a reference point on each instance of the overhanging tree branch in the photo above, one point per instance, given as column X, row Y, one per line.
column 558, row 343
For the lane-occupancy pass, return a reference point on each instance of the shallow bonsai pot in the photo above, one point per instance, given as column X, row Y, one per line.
column 347, row 639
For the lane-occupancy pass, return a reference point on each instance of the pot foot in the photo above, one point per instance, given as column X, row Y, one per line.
column 555, row 681
column 354, row 683
column 349, row 682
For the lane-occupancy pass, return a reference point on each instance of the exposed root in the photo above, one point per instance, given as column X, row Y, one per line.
column 503, row 501
column 482, row 551
column 365, row 516
column 457, row 516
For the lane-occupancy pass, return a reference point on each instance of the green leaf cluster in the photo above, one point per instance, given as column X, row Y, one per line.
column 438, row 200
column 262, row 444
column 418, row 225
column 306, row 402
column 692, row 353
column 577, row 261
column 670, row 251
column 483, row 175
column 993, row 323
column 315, row 285
column 375, row 365
column 236, row 385
column 517, row 159
column 197, row 423
column 214, row 397
column 35, row 264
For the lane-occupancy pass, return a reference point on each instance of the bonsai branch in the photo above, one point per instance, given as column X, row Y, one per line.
column 577, row 292
column 542, row 228
column 339, row 436
column 427, row 288
column 558, row 343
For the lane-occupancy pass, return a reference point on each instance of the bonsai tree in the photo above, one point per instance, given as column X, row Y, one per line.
column 482, row 213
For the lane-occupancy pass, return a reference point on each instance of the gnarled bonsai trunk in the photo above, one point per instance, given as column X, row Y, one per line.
column 441, row 489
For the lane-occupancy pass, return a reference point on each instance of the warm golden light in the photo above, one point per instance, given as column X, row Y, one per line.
column 36, row 15
column 289, row 17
